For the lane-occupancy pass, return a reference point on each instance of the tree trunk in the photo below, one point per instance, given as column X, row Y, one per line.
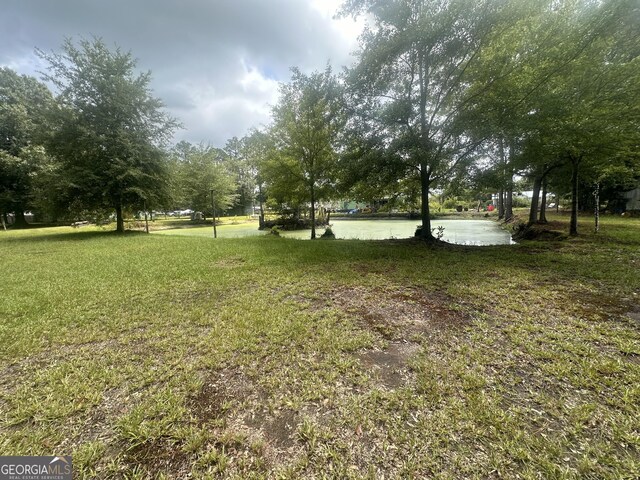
column 508, row 214
column 503, row 174
column 19, row 220
column 508, row 208
column 533, row 211
column 313, row 213
column 425, row 180
column 543, row 203
column 146, row 220
column 425, row 231
column 596, row 195
column 573, row 225
column 119, row 219
column 261, row 218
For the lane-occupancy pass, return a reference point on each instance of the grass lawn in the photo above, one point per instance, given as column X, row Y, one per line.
column 158, row 356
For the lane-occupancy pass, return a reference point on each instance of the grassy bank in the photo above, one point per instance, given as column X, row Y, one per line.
column 151, row 355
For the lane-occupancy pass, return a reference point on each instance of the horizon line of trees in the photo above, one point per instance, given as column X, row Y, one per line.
column 445, row 96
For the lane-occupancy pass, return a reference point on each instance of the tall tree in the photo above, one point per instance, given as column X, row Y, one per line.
column 24, row 106
column 566, row 88
column 239, row 165
column 307, row 120
column 412, row 77
column 258, row 148
column 111, row 128
column 596, row 115
column 202, row 174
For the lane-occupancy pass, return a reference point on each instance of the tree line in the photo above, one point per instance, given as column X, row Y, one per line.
column 444, row 95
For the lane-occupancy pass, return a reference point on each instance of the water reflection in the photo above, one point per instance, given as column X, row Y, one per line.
column 462, row 232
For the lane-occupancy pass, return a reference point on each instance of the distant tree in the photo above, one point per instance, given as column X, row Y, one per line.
column 283, row 183
column 178, row 158
column 237, row 161
column 201, row 172
column 24, row 106
column 258, row 148
column 306, row 123
column 111, row 129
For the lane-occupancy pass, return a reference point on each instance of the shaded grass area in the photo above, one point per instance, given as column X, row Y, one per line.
column 151, row 356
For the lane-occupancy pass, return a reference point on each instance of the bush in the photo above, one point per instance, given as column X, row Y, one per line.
column 521, row 202
column 328, row 234
column 450, row 203
column 290, row 223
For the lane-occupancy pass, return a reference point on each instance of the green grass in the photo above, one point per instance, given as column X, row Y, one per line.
column 156, row 356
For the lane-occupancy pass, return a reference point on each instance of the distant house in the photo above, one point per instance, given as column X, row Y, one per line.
column 633, row 199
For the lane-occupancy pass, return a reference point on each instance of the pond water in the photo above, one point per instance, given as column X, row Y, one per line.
column 463, row 232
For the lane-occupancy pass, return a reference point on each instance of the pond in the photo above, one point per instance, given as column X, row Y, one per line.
column 463, row 232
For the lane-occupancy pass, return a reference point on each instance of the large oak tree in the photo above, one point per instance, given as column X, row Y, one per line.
column 111, row 128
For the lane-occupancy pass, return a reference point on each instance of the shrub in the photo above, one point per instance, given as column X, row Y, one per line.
column 328, row 234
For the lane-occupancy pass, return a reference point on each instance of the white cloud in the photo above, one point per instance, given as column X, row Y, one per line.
column 215, row 63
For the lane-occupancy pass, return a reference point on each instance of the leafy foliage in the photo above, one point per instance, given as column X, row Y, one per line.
column 305, row 130
column 24, row 105
column 409, row 87
column 198, row 173
column 110, row 128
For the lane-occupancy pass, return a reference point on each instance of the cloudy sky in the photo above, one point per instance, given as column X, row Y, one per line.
column 216, row 64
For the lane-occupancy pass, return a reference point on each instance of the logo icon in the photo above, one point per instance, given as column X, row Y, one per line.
column 36, row 468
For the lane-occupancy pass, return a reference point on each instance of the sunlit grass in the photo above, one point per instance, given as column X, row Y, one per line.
column 264, row 357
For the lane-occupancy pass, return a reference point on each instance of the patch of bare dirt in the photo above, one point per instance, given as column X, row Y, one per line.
column 229, row 262
column 634, row 315
column 161, row 457
column 278, row 429
column 102, row 418
column 400, row 313
column 389, row 366
column 222, row 392
column 240, row 406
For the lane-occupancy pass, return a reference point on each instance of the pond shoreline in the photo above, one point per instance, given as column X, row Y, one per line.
column 459, row 231
column 435, row 217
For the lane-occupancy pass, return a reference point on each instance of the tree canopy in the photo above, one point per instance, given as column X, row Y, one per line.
column 444, row 97
column 306, row 122
column 111, row 128
column 25, row 104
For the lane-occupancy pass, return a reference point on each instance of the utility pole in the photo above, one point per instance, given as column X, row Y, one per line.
column 213, row 207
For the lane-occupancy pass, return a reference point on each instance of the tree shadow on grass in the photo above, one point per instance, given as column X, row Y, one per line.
column 72, row 236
